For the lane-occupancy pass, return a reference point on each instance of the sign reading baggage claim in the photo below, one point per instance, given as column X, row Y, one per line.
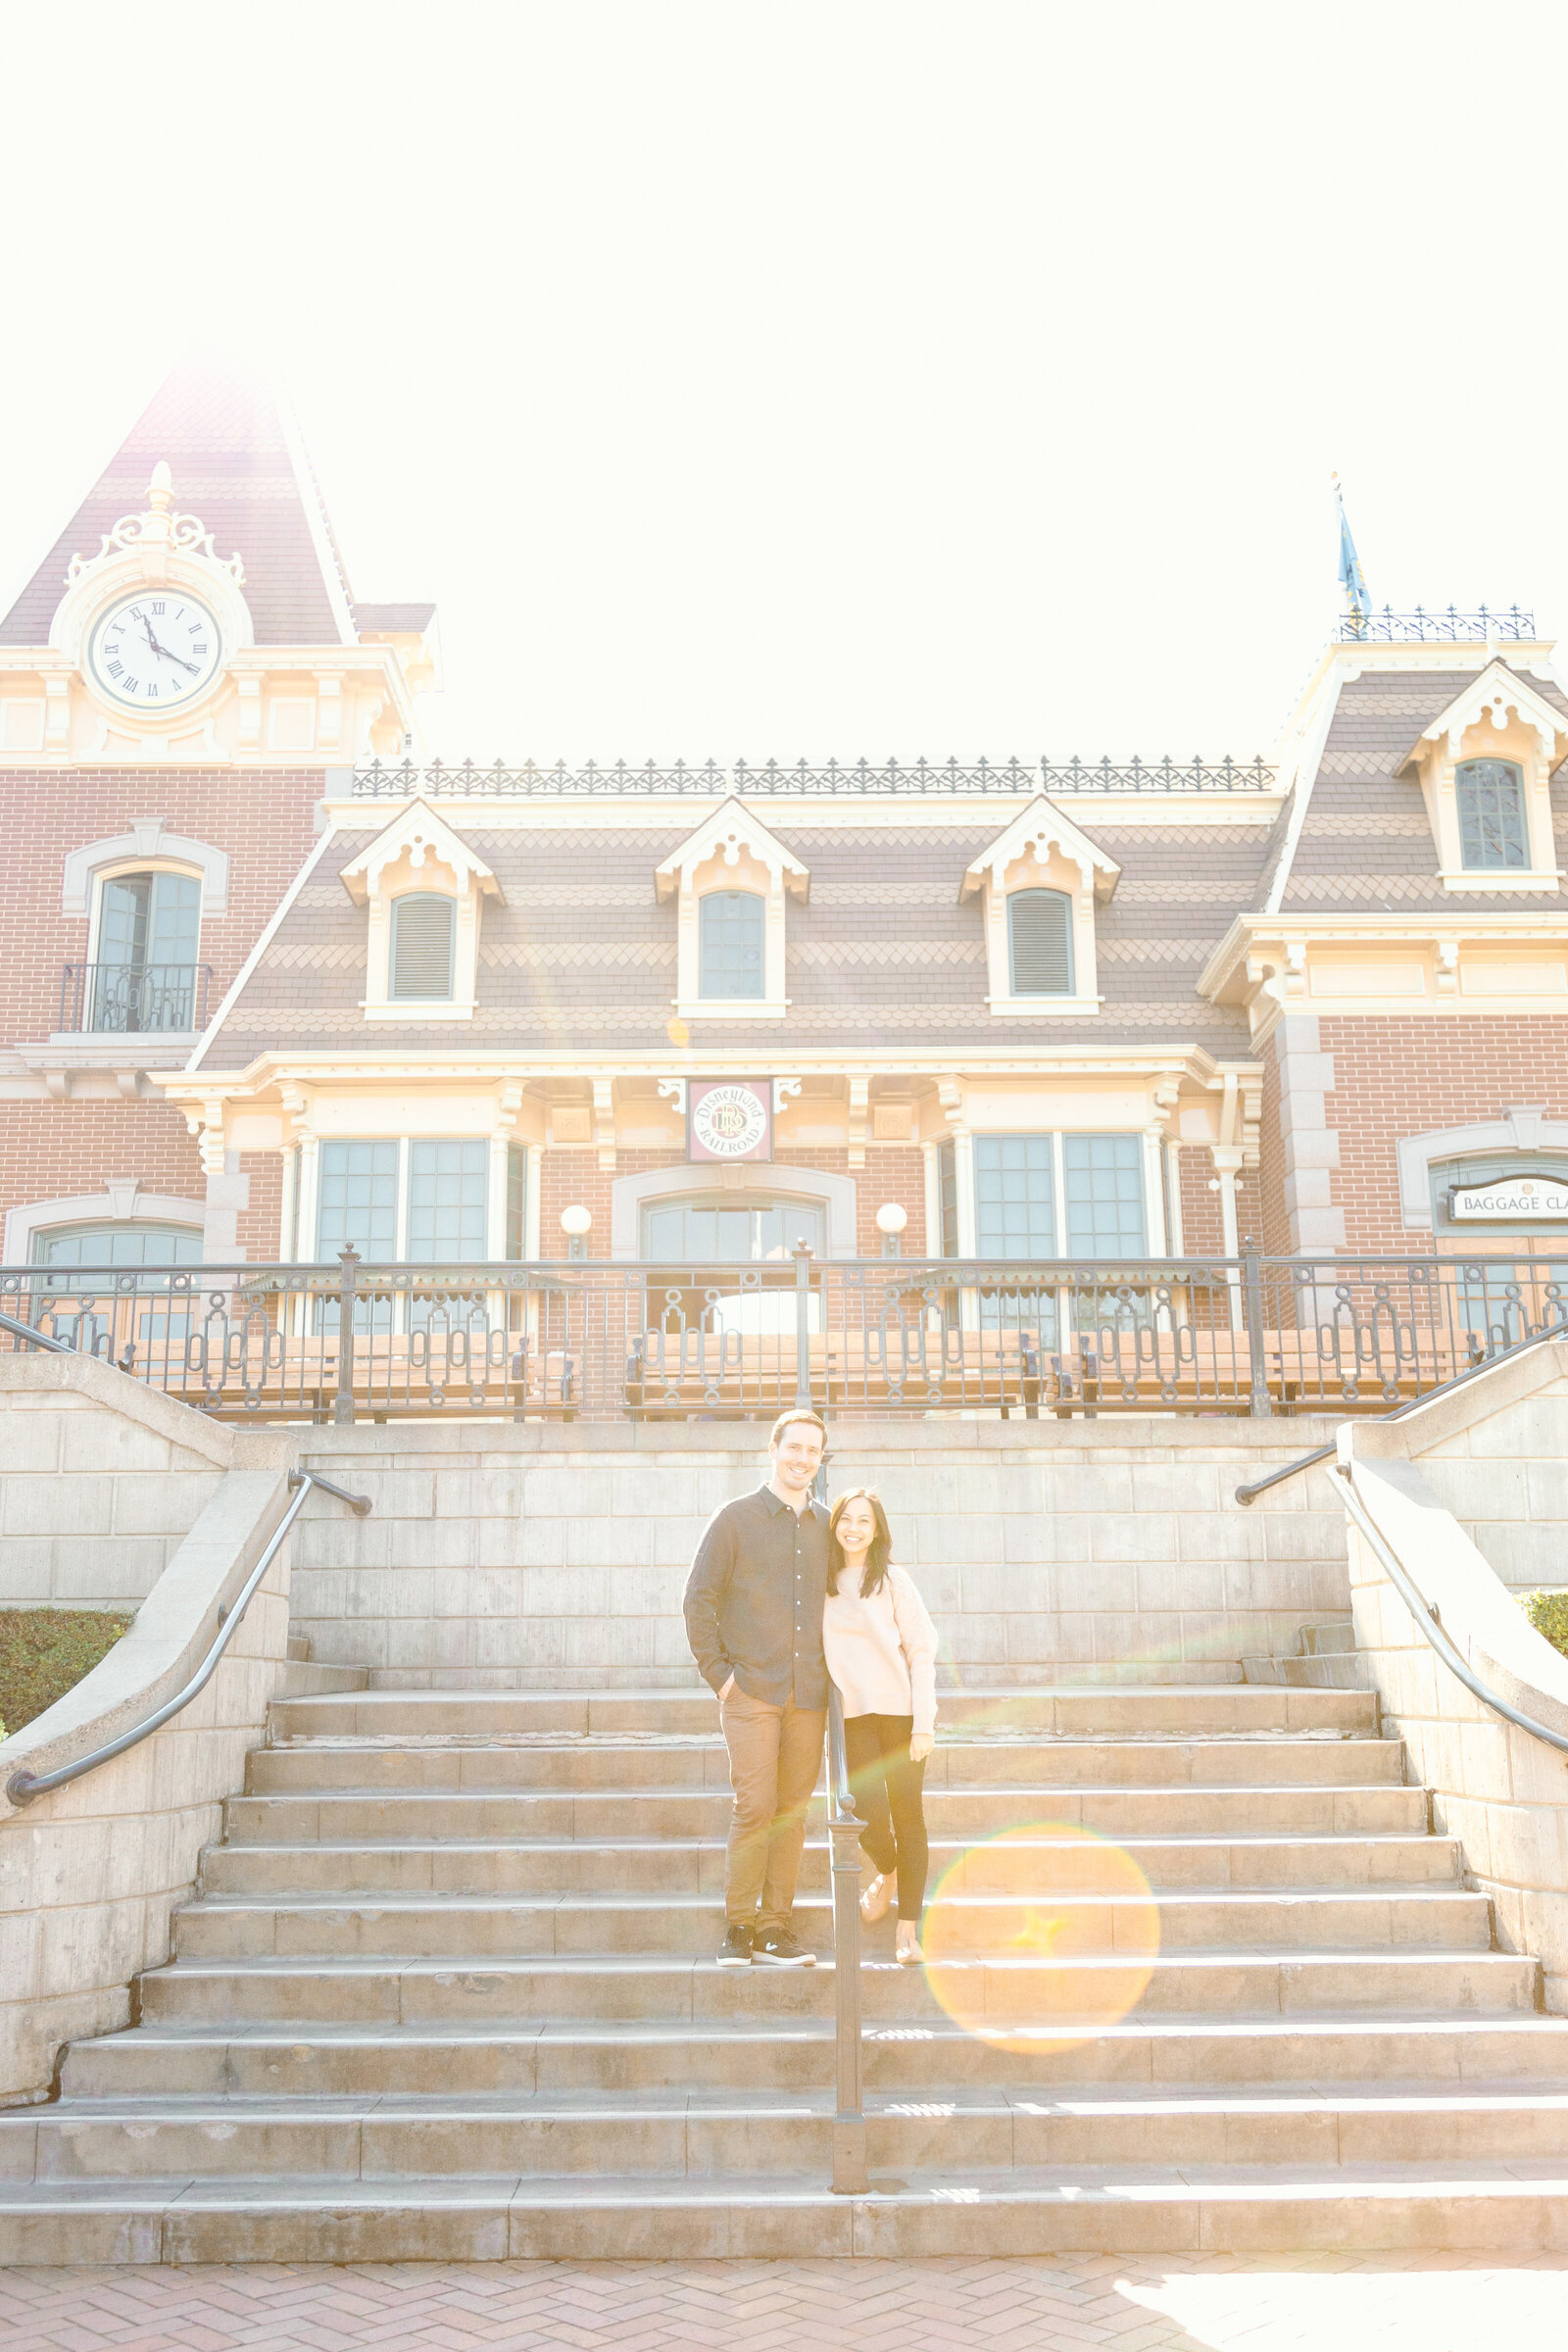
column 729, row 1118
column 1510, row 1198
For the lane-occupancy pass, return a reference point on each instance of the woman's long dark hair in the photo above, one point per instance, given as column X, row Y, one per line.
column 879, row 1552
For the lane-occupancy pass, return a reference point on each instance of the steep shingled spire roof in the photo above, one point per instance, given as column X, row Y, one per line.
column 238, row 463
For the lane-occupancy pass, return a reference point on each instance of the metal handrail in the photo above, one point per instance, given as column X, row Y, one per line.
column 24, row 1786
column 843, row 1826
column 36, row 1339
column 1320, row 1454
column 1430, row 1624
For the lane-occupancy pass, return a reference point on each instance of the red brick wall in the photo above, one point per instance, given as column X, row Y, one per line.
column 1202, row 1226
column 262, row 819
column 1400, row 1077
column 49, row 1150
column 261, row 1225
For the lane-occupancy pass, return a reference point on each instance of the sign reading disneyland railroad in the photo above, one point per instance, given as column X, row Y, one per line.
column 1515, row 1197
column 729, row 1118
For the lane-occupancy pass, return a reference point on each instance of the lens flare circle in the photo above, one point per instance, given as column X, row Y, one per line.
column 1041, row 1938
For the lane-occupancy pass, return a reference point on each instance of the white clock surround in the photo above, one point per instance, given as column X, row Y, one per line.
column 154, row 652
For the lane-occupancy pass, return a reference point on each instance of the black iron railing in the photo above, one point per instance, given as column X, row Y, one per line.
column 134, row 999
column 1252, row 1335
column 1449, row 628
column 774, row 779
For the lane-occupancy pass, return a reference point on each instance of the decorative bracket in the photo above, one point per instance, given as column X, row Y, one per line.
column 155, row 535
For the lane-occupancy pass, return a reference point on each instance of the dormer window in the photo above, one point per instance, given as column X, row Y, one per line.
column 1485, row 766
column 423, row 887
column 732, row 931
column 729, row 881
column 423, row 937
column 1040, row 943
column 1492, row 834
column 1039, row 884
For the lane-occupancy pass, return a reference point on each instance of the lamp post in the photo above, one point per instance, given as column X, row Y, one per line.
column 576, row 1224
column 891, row 1220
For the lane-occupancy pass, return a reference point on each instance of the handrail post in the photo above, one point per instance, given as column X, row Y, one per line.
column 802, row 1342
column 850, row 2176
column 1261, row 1405
column 343, row 1407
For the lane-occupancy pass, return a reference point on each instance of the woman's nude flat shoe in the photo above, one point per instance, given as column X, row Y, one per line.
column 909, row 1953
column 877, row 1900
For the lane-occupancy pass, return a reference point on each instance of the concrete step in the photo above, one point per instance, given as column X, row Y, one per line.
column 1174, row 2052
column 299, row 1646
column 469, row 1928
column 377, row 1766
column 680, row 2132
column 1485, row 2207
column 696, row 1865
column 394, row 1817
column 1068, row 1994
column 1185, row 1711
column 303, row 1680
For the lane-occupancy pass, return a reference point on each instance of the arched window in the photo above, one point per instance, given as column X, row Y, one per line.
column 1492, row 834
column 121, row 1244
column 422, row 930
column 730, row 944
column 1040, row 943
column 145, row 974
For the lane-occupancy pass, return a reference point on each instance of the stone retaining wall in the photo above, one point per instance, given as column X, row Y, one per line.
column 511, row 1556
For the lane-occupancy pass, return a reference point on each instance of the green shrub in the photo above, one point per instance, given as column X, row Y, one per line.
column 1548, row 1613
column 46, row 1652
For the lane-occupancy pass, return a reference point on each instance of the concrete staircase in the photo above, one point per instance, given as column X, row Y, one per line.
column 1324, row 1659
column 304, row 1679
column 448, row 1993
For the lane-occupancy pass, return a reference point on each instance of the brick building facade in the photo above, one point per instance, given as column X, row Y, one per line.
column 274, row 985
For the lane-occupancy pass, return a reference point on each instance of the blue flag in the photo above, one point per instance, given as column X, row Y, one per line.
column 1353, row 579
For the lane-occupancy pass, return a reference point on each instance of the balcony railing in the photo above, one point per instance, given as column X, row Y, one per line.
column 604, row 1342
column 134, row 999
column 920, row 779
column 1420, row 627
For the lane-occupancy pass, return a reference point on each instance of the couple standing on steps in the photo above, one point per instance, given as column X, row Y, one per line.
column 783, row 1595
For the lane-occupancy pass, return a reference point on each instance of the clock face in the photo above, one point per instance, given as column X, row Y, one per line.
column 155, row 652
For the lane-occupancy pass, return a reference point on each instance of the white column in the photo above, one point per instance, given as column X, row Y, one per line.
column 931, row 1163
column 964, row 1172
column 1154, row 1191
column 1176, row 1236
column 495, row 1204
column 1227, row 1159
column 532, row 1172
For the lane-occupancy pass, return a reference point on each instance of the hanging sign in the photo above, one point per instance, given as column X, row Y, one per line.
column 1511, row 1198
column 729, row 1118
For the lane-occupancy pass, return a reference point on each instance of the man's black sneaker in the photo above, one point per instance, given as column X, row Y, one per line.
column 780, row 1950
column 736, row 1951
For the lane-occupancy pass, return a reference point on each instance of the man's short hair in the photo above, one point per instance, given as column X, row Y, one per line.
column 797, row 1412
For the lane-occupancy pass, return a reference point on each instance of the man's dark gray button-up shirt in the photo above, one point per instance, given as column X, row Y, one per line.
column 754, row 1599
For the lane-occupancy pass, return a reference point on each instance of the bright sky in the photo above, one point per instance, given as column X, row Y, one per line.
column 826, row 379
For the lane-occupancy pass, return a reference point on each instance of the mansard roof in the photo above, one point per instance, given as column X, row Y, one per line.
column 236, row 461
column 1355, row 837
column 582, row 956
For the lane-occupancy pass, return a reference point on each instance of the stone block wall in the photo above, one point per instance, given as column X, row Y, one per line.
column 100, row 1481
column 524, row 1556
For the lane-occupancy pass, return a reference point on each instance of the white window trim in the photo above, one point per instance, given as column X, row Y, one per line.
column 117, row 871
column 437, row 861
column 147, row 845
column 1518, row 1131
column 122, row 1203
column 705, row 861
column 1511, row 722
column 630, row 1194
column 1034, row 839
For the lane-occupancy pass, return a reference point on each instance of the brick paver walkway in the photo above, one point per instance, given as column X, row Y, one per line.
column 1313, row 2303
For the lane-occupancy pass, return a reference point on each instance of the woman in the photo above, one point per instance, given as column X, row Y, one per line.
column 881, row 1650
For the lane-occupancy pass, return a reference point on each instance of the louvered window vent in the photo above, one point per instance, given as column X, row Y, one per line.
column 1040, row 941
column 422, row 925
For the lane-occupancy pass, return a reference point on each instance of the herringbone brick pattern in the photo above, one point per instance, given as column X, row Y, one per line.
column 1312, row 2303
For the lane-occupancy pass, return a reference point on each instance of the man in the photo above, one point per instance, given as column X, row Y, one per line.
column 754, row 1618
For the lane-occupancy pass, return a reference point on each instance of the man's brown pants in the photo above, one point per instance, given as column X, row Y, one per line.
column 774, row 1757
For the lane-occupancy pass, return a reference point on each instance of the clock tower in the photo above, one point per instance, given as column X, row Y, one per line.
column 176, row 676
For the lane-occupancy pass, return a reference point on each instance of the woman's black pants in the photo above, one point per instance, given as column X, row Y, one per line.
column 887, row 1790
